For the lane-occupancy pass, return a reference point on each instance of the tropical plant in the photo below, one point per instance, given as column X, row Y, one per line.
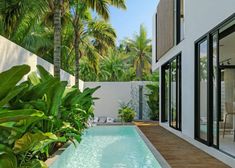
column 153, row 100
column 126, row 113
column 112, row 67
column 77, row 107
column 32, row 110
column 140, row 51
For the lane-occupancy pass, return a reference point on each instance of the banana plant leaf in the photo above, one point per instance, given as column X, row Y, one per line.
column 35, row 163
column 40, row 147
column 81, row 98
column 29, row 141
column 44, row 74
column 38, row 91
column 33, row 78
column 9, row 78
column 12, row 93
column 11, row 130
column 7, row 157
column 54, row 96
column 17, row 115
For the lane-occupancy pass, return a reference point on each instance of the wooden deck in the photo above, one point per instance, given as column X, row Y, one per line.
column 177, row 152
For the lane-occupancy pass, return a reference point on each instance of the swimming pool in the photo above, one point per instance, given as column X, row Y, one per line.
column 108, row 147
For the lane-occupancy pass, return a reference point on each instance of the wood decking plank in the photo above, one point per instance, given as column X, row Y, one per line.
column 177, row 152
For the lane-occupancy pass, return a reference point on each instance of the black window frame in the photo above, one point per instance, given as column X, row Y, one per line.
column 165, row 66
column 178, row 21
column 156, row 56
column 208, row 36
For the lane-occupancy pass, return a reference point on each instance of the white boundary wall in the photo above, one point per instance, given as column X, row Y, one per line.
column 12, row 54
column 112, row 94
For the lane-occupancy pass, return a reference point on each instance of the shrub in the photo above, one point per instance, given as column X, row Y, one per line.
column 37, row 114
column 153, row 100
column 126, row 114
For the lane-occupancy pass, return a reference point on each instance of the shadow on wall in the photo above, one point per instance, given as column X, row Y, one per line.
column 13, row 54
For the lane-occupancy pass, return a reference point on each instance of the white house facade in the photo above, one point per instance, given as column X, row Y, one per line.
column 194, row 51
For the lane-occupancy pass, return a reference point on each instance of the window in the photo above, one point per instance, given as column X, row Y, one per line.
column 215, row 87
column 171, row 90
column 202, row 86
column 179, row 21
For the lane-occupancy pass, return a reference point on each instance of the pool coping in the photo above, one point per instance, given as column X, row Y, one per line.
column 57, row 154
column 162, row 161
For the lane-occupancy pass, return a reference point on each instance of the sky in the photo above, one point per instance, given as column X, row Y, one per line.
column 127, row 22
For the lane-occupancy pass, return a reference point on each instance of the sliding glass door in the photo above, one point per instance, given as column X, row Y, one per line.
column 215, row 88
column 165, row 93
column 171, row 89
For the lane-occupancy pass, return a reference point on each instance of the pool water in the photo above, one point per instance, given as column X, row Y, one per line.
column 108, row 147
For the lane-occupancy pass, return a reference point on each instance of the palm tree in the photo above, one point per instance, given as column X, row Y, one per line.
column 80, row 10
column 112, row 66
column 86, row 70
column 19, row 19
column 140, row 50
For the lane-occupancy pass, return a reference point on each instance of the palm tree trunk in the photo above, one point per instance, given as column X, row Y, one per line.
column 141, row 67
column 77, row 57
column 57, row 37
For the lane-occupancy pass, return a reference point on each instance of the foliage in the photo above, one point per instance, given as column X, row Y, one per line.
column 130, row 61
column 112, row 67
column 37, row 114
column 140, row 52
column 126, row 113
column 153, row 100
column 30, row 24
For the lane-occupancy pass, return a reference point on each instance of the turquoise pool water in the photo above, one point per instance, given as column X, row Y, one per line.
column 108, row 147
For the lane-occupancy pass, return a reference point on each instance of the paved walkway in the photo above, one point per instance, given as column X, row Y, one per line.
column 177, row 152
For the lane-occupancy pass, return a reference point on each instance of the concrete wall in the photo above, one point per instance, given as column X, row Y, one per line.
column 113, row 94
column 12, row 54
column 200, row 17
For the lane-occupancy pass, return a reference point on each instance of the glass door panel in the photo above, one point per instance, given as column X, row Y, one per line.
column 203, row 90
column 166, row 94
column 227, row 125
column 173, row 83
column 215, row 89
column 227, row 90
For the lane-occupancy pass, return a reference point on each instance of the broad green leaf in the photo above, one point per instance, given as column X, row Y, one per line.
column 43, row 73
column 9, row 78
column 7, row 157
column 42, row 144
column 54, row 96
column 11, row 94
column 38, row 91
column 17, row 115
column 32, row 142
column 10, row 133
column 37, row 104
column 33, row 78
column 28, row 141
column 35, row 163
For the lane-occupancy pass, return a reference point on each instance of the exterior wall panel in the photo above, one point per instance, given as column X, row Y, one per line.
column 165, row 27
